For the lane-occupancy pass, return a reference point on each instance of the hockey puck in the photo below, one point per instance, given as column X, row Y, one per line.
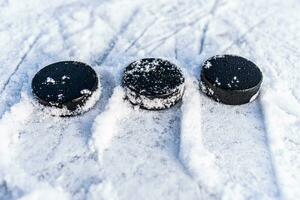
column 231, row 79
column 153, row 83
column 69, row 87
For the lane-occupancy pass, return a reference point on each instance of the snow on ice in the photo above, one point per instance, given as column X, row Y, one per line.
column 198, row 149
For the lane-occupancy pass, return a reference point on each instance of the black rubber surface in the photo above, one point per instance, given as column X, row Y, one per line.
column 65, row 84
column 231, row 79
column 153, row 78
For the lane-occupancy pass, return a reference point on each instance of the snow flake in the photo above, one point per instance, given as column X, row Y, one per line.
column 85, row 91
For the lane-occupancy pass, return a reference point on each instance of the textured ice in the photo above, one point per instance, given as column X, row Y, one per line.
column 198, row 149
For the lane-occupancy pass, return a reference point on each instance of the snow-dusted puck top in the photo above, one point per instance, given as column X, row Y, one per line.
column 65, row 85
column 231, row 79
column 153, row 83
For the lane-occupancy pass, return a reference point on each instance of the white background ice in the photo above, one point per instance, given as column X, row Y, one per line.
column 198, row 149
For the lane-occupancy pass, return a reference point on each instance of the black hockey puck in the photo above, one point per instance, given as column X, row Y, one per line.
column 70, row 87
column 153, row 83
column 231, row 79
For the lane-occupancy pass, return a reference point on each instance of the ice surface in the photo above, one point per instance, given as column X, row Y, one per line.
column 198, row 149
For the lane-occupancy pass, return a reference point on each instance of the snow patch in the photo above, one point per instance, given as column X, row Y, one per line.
column 47, row 193
column 155, row 103
column 106, row 125
column 198, row 160
column 11, row 125
column 85, row 91
column 50, row 81
column 103, row 191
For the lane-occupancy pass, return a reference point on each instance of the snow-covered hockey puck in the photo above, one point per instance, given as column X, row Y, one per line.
column 67, row 88
column 231, row 79
column 153, row 83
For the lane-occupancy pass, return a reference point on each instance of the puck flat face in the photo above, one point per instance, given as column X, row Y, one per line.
column 67, row 86
column 231, row 79
column 153, row 83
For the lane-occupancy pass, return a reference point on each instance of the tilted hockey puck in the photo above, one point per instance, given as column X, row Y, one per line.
column 231, row 79
column 153, row 83
column 69, row 87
